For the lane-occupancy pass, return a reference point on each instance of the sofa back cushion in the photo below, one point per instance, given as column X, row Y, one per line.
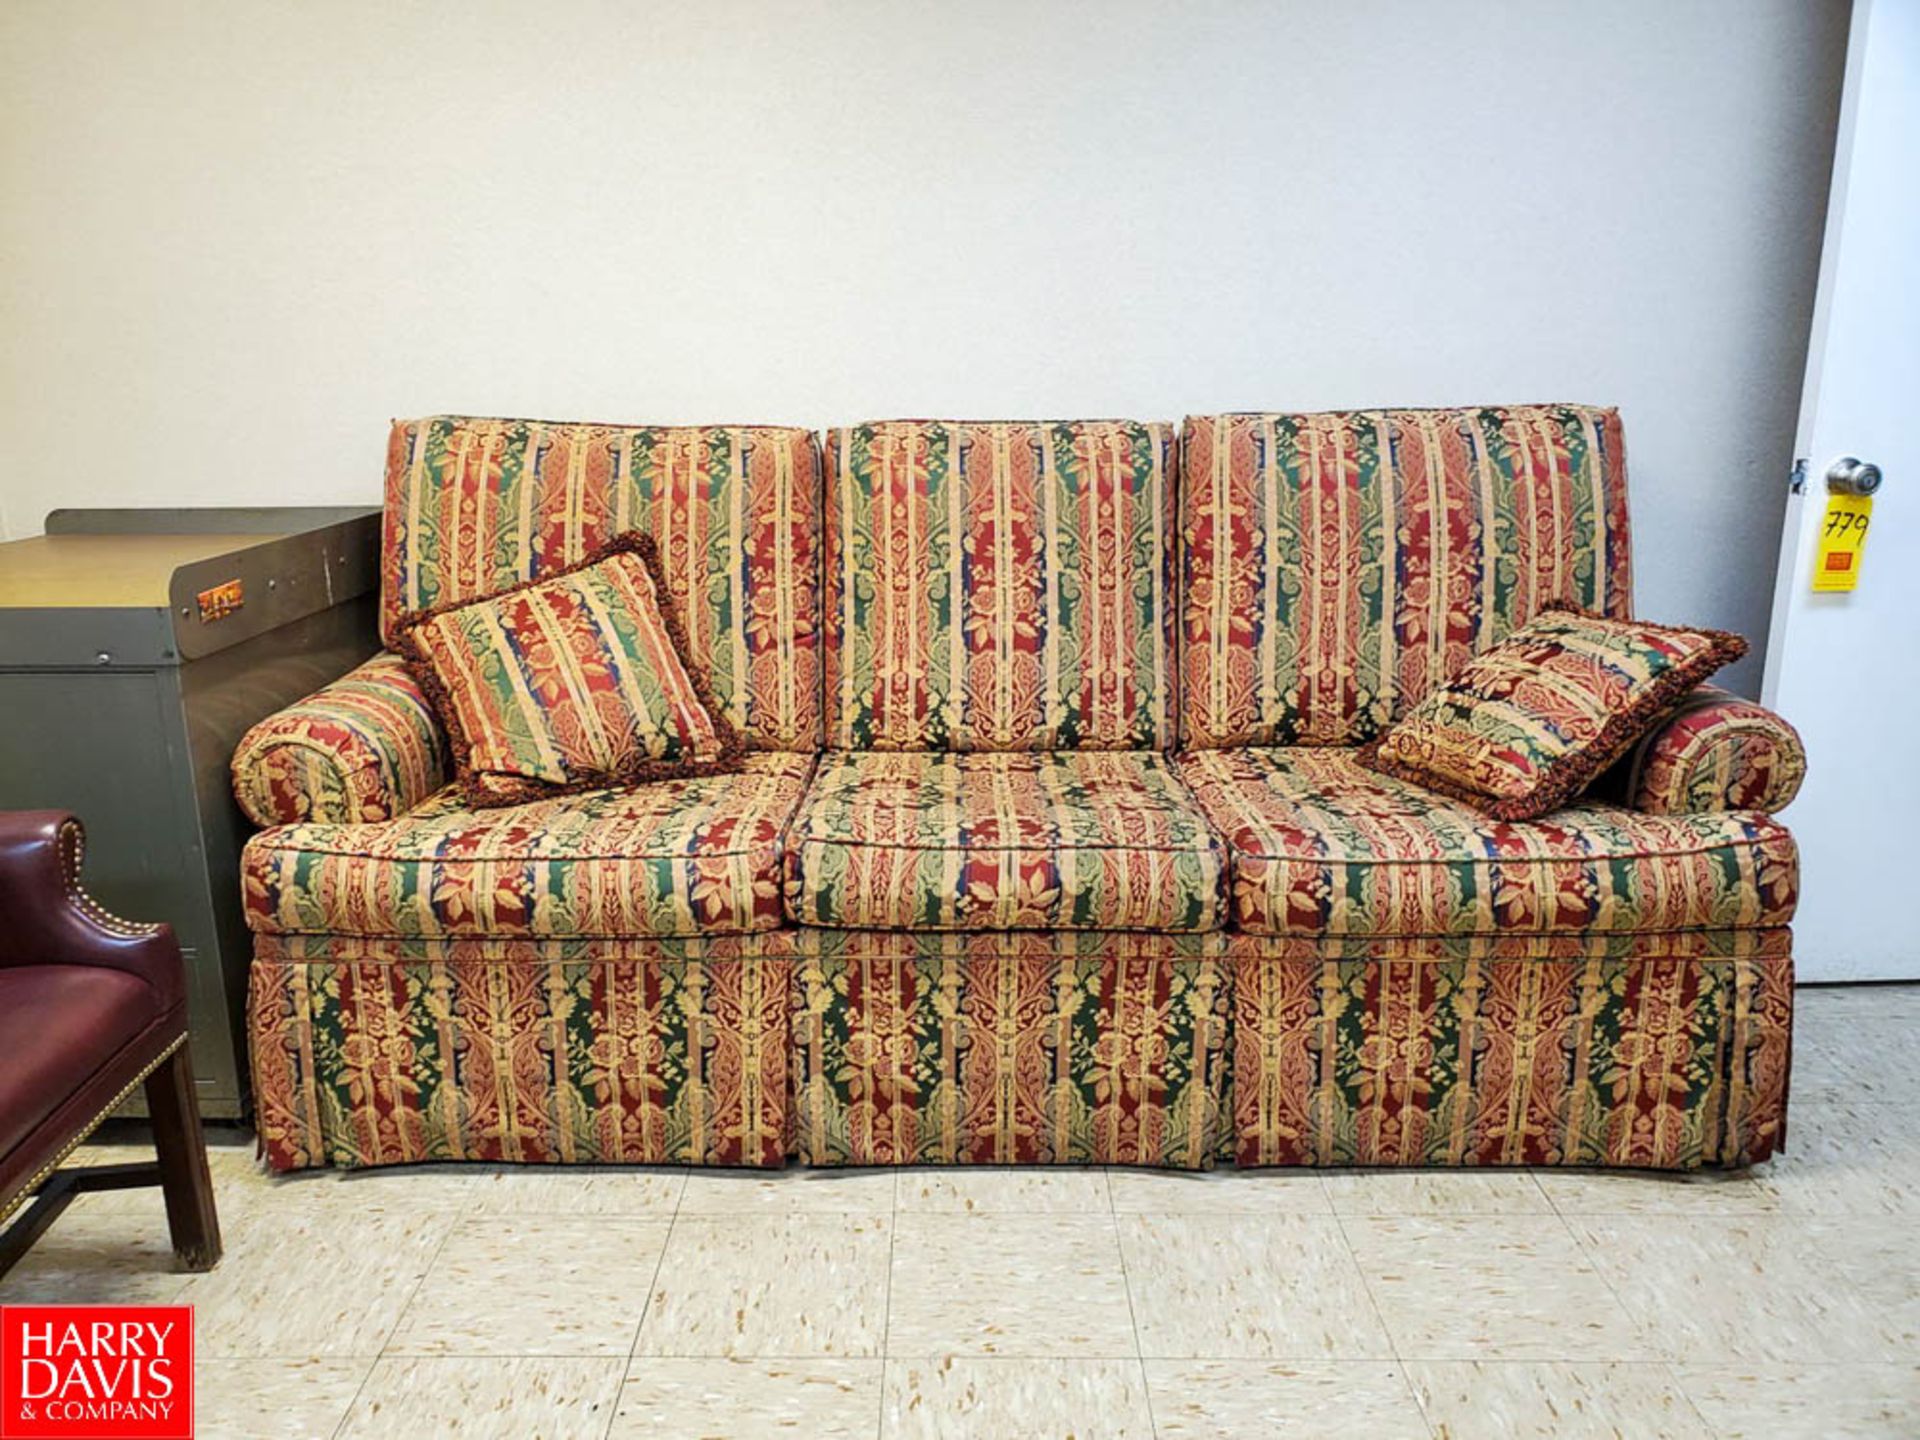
column 1338, row 566
column 999, row 586
column 476, row 506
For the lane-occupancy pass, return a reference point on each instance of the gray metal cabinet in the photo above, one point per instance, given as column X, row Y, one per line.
column 136, row 648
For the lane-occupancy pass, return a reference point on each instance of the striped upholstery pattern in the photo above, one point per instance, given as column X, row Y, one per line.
column 1340, row 565
column 681, row 857
column 543, row 1052
column 475, row 506
column 1662, row 1050
column 572, row 682
column 1009, row 1049
column 1070, row 840
column 365, row 748
column 999, row 586
column 1717, row 752
column 1322, row 847
column 1666, row 1050
column 1529, row 724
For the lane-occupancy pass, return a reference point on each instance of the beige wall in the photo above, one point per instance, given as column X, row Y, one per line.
column 236, row 238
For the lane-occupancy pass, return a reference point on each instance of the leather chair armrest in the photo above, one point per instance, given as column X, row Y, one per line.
column 1717, row 752
column 365, row 748
column 47, row 917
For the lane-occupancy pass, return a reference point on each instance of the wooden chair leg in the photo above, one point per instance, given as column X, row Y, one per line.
column 174, row 1110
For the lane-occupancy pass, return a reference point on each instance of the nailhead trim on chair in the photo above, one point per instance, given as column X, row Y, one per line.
column 26, row 1192
column 72, row 842
column 73, row 851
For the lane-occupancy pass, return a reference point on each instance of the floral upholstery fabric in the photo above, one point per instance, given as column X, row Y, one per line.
column 1065, row 1048
column 1716, row 752
column 631, row 1052
column 678, row 857
column 364, row 748
column 1668, row 1051
column 1338, row 566
column 475, row 506
column 615, row 978
column 1532, row 722
column 1092, row 840
column 1322, row 847
column 572, row 682
column 999, row 586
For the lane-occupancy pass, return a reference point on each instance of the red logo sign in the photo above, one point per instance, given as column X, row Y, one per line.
column 96, row 1372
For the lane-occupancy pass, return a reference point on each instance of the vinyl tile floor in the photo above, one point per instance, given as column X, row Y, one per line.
column 1779, row 1302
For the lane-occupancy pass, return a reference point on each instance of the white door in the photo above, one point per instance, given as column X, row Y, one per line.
column 1845, row 668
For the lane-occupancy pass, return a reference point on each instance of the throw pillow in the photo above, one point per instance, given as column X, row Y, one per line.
column 1530, row 723
column 578, row 680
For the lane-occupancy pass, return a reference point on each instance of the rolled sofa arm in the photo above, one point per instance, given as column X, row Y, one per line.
column 1717, row 752
column 365, row 748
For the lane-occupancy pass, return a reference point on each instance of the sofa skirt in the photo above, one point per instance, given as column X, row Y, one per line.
column 1666, row 1051
column 389, row 1052
column 884, row 1048
column 1011, row 1048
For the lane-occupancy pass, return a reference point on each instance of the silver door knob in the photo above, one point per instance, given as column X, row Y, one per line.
column 1848, row 476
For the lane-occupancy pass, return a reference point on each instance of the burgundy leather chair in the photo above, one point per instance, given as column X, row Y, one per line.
column 90, row 1007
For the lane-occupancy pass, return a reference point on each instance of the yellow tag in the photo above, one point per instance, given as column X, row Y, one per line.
column 1836, row 564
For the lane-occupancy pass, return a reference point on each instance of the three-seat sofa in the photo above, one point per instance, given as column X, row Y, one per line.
column 1051, row 846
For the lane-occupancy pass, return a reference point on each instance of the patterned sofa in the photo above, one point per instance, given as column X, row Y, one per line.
column 1051, row 847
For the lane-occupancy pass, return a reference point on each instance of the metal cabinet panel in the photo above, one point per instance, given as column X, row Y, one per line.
column 125, row 707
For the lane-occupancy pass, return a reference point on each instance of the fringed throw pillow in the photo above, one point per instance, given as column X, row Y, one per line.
column 576, row 681
column 1529, row 724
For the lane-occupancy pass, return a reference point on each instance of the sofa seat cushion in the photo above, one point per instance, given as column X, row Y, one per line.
column 675, row 857
column 1321, row 846
column 1107, row 840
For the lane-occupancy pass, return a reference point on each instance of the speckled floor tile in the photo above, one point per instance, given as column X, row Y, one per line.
column 1838, row 1017
column 788, row 1192
column 579, row 1190
column 97, row 1255
column 1653, row 1192
column 1274, row 1287
column 991, row 1397
column 313, row 1285
column 1282, row 1400
column 534, row 1285
column 1810, row 1402
column 287, row 1399
column 1434, row 1192
column 1848, row 1158
column 1752, row 1288
column 1553, row 1400
column 477, row 1190
column 984, row 1190
column 1852, row 1003
column 389, row 1190
column 1872, row 1056
column 1029, row 1285
column 237, row 1180
column 771, row 1285
column 1218, row 1192
column 497, row 1398
column 749, row 1399
column 1513, row 1287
